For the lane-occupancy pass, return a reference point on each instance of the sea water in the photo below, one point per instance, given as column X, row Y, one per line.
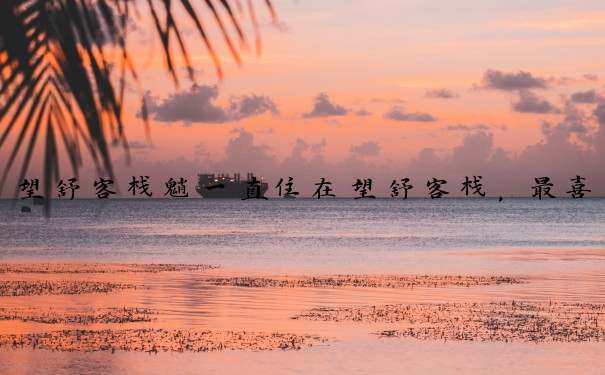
column 557, row 244
column 322, row 235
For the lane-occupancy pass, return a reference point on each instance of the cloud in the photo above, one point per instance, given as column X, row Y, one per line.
column 366, row 149
column 561, row 131
column 333, row 122
column 598, row 140
column 574, row 118
column 362, row 112
column 242, row 153
column 280, row 26
column 530, row 103
column 588, row 97
column 190, row 106
column 133, row 145
column 201, row 150
column 599, row 113
column 477, row 146
column 558, row 157
column 564, row 81
column 466, row 127
column 397, row 113
column 441, row 93
column 379, row 100
column 300, row 146
column 322, row 107
column 570, row 147
column 319, row 147
column 196, row 106
column 137, row 145
column 186, row 72
column 591, row 77
column 497, row 80
column 253, row 105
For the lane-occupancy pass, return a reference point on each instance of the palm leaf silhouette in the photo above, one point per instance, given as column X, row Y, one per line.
column 55, row 75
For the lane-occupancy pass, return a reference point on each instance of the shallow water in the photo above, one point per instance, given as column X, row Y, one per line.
column 366, row 355
column 310, row 235
column 186, row 301
column 558, row 245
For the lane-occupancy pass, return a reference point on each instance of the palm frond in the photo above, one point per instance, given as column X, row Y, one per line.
column 56, row 77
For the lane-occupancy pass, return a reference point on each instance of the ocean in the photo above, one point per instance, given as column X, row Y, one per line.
column 555, row 246
column 311, row 235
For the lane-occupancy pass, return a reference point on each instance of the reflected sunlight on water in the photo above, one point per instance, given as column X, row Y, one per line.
column 556, row 248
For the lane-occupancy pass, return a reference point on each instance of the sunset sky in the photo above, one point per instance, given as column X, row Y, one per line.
column 346, row 90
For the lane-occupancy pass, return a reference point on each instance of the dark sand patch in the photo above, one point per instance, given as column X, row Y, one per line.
column 75, row 268
column 18, row 288
column 100, row 316
column 366, row 281
column 512, row 321
column 156, row 340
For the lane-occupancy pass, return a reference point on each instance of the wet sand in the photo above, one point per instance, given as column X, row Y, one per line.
column 18, row 288
column 156, row 340
column 504, row 321
column 76, row 268
column 86, row 307
column 59, row 326
column 58, row 316
column 366, row 281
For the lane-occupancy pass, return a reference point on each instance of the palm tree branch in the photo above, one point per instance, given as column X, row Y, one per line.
column 25, row 98
column 200, row 28
column 217, row 17
column 170, row 24
column 6, row 85
column 70, row 140
column 254, row 21
column 33, row 110
column 233, row 20
column 32, row 142
column 75, row 74
column 51, row 162
column 54, row 63
column 164, row 37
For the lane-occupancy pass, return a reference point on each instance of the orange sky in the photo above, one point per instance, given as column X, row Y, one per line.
column 377, row 82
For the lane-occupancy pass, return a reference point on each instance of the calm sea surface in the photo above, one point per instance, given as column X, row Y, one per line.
column 327, row 235
column 558, row 244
